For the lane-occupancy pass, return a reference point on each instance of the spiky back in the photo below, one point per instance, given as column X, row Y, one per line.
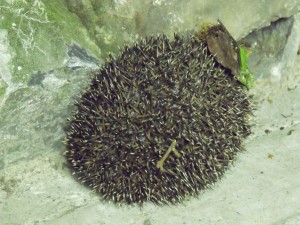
column 156, row 92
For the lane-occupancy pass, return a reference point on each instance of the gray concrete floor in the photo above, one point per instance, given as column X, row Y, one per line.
column 261, row 188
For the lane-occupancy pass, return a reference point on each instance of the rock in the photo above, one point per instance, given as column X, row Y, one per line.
column 274, row 48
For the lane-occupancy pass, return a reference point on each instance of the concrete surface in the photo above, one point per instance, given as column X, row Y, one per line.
column 262, row 188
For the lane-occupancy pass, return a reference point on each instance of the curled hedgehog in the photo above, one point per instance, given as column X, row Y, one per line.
column 161, row 122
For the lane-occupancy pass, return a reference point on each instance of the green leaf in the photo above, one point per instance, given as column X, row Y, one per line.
column 246, row 77
column 243, row 55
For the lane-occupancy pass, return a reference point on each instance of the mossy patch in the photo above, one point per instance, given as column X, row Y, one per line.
column 7, row 185
column 3, row 86
column 38, row 33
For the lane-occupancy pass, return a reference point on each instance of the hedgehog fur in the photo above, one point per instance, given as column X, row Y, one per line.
column 162, row 121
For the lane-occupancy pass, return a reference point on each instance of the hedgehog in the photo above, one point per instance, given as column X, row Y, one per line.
column 162, row 121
